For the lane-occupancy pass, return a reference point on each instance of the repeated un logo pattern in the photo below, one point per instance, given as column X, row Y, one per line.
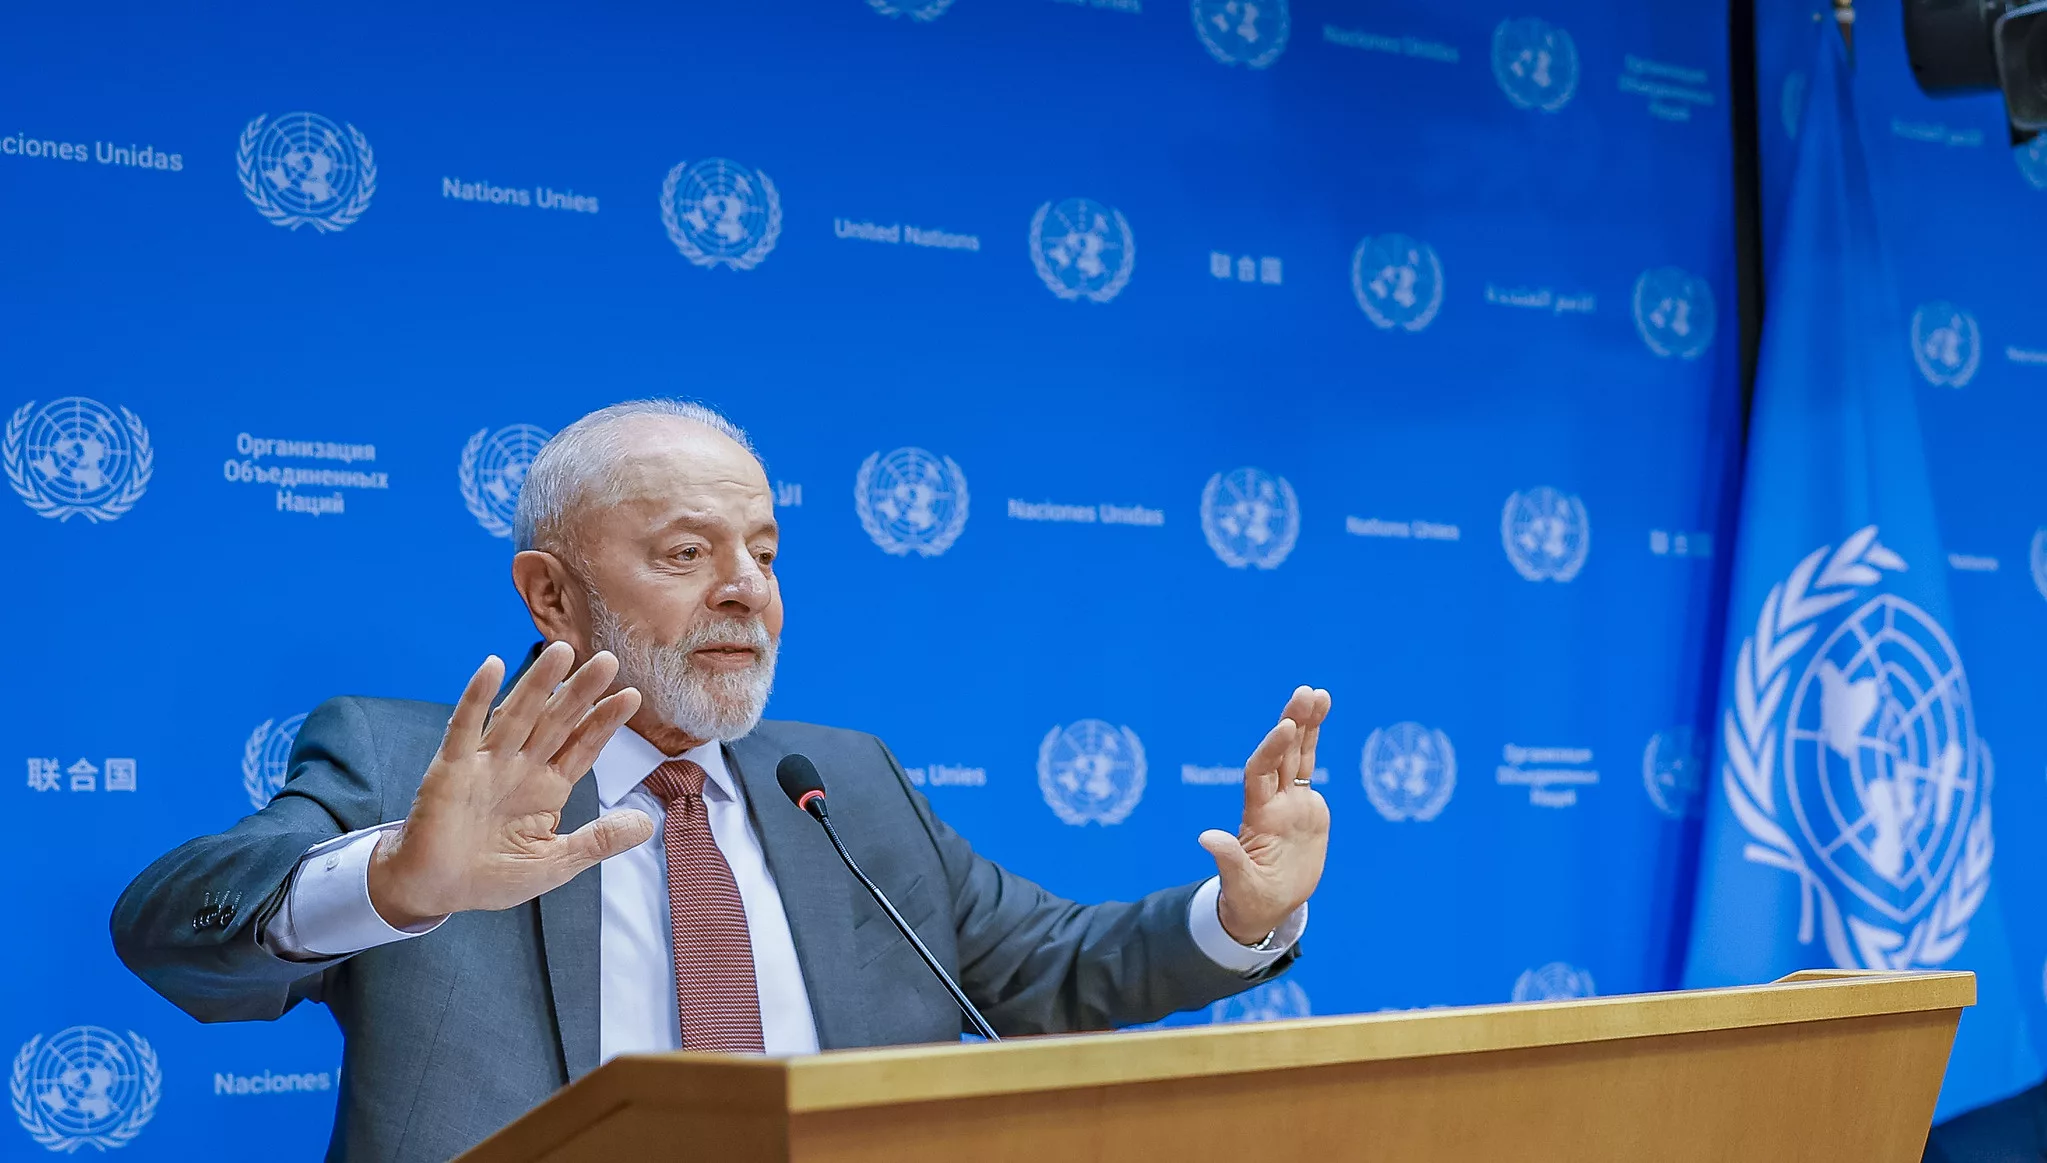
column 1546, row 534
column 1082, row 249
column 911, row 501
column 1251, row 33
column 85, row 1086
column 721, row 213
column 73, row 457
column 1673, row 771
column 1556, row 981
column 266, row 758
column 928, row 11
column 1674, row 312
column 492, row 470
column 1250, row 518
column 1852, row 761
column 1091, row 772
column 304, row 170
column 1536, row 63
column 1409, row 771
column 1946, row 344
column 1274, row 1001
column 1397, row 280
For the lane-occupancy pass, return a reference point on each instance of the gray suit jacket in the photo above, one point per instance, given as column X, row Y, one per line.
column 452, row 1035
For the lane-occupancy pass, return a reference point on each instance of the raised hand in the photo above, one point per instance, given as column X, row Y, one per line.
column 481, row 833
column 1271, row 866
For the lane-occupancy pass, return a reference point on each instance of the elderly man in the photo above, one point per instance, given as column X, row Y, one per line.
column 492, row 899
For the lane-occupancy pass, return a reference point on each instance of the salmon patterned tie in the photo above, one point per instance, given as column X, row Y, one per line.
column 715, row 996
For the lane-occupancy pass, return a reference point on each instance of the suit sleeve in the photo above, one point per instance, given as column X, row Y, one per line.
column 189, row 924
column 1036, row 963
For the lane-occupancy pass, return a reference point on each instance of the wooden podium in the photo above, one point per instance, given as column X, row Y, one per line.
column 1823, row 1065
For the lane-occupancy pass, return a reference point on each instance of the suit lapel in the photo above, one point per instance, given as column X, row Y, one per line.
column 816, row 894
column 570, row 920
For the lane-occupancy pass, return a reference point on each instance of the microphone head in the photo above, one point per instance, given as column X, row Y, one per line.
column 800, row 780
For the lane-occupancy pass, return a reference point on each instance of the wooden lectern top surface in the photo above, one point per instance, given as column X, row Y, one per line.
column 1823, row 1066
column 849, row 1079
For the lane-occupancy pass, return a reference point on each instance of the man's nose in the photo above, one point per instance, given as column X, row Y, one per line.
column 743, row 588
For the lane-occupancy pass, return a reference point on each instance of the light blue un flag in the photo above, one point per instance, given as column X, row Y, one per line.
column 1851, row 821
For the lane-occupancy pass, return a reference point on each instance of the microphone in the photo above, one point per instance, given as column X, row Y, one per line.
column 805, row 788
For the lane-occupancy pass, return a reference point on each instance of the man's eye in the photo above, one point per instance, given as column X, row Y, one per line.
column 766, row 556
column 689, row 553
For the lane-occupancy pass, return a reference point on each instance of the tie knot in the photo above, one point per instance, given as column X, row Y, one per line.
column 675, row 779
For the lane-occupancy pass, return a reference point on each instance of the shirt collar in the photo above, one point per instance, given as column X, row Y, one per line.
column 628, row 758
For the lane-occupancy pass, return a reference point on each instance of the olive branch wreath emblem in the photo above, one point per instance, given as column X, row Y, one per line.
column 358, row 200
column 928, row 11
column 1113, row 812
column 1750, row 736
column 771, row 230
column 12, row 450
column 39, row 1129
column 1101, row 294
column 939, row 542
column 1272, row 555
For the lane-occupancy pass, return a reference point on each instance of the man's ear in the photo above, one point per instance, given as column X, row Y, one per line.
column 554, row 599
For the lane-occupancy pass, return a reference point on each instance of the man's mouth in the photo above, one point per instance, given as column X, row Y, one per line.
column 726, row 657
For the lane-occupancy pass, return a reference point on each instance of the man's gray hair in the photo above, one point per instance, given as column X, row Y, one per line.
column 574, row 468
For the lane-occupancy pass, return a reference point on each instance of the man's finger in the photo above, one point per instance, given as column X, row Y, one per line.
column 1311, row 733
column 472, row 710
column 1300, row 706
column 512, row 722
column 570, row 702
column 605, row 837
column 590, row 736
column 1262, row 770
column 1230, row 857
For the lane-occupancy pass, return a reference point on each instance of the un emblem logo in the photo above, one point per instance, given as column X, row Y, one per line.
column 1674, row 312
column 1673, row 766
column 929, row 10
column 2032, row 162
column 266, row 758
column 1536, row 63
column 1275, row 1001
column 721, row 213
column 1945, row 344
column 493, row 470
column 1553, row 982
column 1250, row 517
column 1082, row 249
column 1398, row 281
column 1409, row 771
column 74, row 458
column 2040, row 558
column 911, row 501
column 304, row 170
column 85, row 1087
column 1091, row 772
column 1853, row 762
column 1546, row 534
column 1243, row 32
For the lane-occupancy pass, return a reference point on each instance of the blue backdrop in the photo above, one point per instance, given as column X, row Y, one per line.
column 1119, row 364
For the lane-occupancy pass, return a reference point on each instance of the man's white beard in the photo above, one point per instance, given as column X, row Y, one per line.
column 703, row 704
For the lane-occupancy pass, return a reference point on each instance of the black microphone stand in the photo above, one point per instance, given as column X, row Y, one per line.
column 816, row 809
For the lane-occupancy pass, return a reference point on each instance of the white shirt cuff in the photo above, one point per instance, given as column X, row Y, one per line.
column 1211, row 938
column 327, row 911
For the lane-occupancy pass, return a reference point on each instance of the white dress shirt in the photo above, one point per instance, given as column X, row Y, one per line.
column 327, row 912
